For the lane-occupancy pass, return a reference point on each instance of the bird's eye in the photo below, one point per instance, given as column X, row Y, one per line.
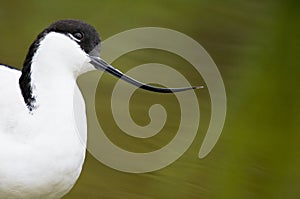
column 78, row 35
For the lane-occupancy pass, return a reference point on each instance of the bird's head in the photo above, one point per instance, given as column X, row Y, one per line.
column 75, row 46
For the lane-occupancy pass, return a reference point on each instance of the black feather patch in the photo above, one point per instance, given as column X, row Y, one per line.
column 25, row 79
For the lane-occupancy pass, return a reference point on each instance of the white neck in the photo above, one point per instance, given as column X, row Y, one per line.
column 54, row 69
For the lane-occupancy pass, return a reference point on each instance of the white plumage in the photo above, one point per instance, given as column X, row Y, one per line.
column 42, row 151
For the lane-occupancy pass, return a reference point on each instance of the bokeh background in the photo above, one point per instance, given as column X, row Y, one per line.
column 255, row 45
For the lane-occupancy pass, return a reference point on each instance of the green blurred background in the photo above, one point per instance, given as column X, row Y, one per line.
column 255, row 45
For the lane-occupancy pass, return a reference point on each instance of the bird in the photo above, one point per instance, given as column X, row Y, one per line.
column 41, row 152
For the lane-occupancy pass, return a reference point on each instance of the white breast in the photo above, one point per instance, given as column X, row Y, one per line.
column 41, row 154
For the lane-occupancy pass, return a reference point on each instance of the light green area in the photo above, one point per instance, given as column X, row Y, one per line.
column 255, row 45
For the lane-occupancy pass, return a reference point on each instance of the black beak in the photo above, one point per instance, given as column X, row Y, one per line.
column 100, row 64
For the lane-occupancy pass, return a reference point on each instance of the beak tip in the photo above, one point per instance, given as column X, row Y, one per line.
column 198, row 87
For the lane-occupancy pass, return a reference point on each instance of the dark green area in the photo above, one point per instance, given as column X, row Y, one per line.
column 255, row 44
